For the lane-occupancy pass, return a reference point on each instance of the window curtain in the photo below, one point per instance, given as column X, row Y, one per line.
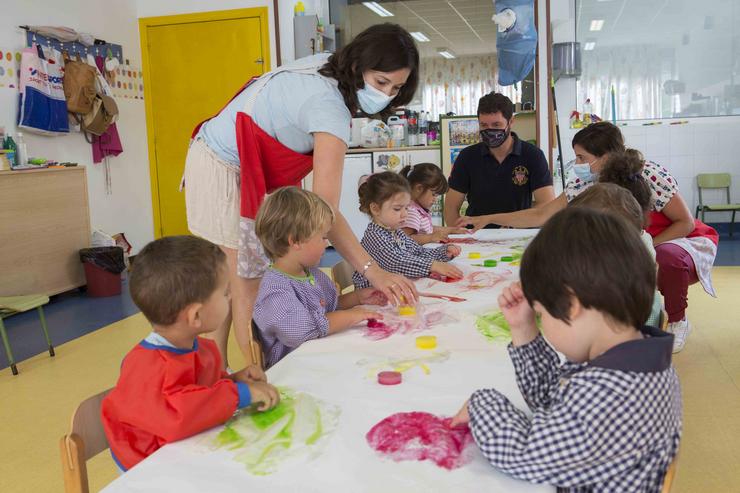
column 456, row 85
column 636, row 72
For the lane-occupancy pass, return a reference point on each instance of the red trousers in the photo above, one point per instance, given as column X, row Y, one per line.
column 676, row 271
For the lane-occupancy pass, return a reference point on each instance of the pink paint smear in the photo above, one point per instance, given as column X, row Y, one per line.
column 395, row 324
column 421, row 436
column 480, row 279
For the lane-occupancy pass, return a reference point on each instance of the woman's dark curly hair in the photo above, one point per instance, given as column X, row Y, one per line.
column 382, row 47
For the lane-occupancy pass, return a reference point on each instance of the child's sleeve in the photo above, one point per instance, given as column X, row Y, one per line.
column 537, row 368
column 281, row 314
column 574, row 443
column 401, row 261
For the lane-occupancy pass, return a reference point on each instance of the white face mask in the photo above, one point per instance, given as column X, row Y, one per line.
column 373, row 100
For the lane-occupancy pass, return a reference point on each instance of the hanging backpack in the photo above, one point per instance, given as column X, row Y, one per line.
column 79, row 85
column 104, row 112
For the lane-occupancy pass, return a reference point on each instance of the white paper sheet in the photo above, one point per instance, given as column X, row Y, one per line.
column 328, row 369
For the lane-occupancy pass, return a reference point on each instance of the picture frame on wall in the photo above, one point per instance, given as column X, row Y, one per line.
column 456, row 133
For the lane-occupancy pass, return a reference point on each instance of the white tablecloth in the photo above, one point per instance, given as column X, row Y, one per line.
column 328, row 370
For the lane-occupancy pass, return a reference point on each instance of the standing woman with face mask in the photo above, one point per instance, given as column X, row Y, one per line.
column 276, row 130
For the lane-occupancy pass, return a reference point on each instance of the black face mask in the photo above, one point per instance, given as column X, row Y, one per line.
column 494, row 137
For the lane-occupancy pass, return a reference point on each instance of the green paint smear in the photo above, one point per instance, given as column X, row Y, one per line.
column 294, row 427
column 494, row 327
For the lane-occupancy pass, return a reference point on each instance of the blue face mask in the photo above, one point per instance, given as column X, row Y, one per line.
column 583, row 171
column 372, row 100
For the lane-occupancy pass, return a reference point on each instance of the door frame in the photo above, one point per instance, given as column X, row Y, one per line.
column 144, row 23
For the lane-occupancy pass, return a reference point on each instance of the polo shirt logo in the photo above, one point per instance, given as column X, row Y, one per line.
column 520, row 175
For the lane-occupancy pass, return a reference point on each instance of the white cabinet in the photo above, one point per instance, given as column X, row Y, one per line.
column 395, row 160
column 355, row 167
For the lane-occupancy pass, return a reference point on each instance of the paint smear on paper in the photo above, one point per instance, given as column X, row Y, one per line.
column 494, row 327
column 392, row 323
column 296, row 428
column 418, row 436
column 403, row 365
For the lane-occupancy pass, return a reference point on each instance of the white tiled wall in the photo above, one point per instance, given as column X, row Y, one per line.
column 704, row 145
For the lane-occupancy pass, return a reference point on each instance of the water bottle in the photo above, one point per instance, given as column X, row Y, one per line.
column 423, row 129
column 21, row 152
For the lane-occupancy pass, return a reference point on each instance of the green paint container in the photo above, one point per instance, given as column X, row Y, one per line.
column 490, row 263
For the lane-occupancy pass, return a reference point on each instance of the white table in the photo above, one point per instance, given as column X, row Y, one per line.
column 328, row 369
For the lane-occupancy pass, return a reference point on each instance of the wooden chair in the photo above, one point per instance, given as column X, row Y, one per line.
column 86, row 439
column 255, row 345
column 663, row 320
column 709, row 181
column 669, row 475
column 342, row 272
column 11, row 305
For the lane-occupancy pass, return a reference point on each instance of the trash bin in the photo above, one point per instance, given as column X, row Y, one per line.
column 103, row 267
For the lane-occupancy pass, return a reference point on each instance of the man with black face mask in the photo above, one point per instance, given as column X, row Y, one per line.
column 499, row 174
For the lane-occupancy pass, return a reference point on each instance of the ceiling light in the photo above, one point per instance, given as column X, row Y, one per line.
column 419, row 36
column 597, row 24
column 590, row 45
column 446, row 53
column 378, row 9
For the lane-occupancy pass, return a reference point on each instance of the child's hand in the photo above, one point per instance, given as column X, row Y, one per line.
column 453, row 251
column 252, row 373
column 439, row 235
column 264, row 395
column 446, row 269
column 360, row 314
column 371, row 296
column 518, row 313
column 462, row 418
column 456, row 231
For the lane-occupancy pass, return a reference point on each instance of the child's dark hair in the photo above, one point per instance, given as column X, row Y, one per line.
column 610, row 197
column 599, row 138
column 625, row 169
column 380, row 187
column 171, row 273
column 428, row 175
column 596, row 257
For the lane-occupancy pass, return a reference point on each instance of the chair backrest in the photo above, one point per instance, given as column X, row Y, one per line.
column 342, row 274
column 713, row 180
column 256, row 345
column 669, row 475
column 86, row 439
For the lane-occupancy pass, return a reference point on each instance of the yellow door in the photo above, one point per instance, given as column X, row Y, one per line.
column 193, row 64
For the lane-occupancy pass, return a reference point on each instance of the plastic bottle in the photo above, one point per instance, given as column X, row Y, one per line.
column 588, row 109
column 423, row 129
column 299, row 9
column 9, row 145
column 21, row 152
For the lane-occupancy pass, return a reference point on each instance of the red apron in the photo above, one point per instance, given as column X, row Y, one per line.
column 265, row 163
column 659, row 222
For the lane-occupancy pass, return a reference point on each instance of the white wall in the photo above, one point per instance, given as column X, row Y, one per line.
column 129, row 208
column 703, row 145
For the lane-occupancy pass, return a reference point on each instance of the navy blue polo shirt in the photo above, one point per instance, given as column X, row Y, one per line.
column 492, row 187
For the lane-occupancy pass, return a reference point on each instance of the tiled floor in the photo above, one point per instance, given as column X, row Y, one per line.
column 75, row 314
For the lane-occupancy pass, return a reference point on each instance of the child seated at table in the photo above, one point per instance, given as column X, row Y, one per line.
column 635, row 208
column 171, row 384
column 608, row 418
column 385, row 197
column 427, row 184
column 297, row 302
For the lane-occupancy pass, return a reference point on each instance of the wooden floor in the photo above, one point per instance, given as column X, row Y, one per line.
column 37, row 404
